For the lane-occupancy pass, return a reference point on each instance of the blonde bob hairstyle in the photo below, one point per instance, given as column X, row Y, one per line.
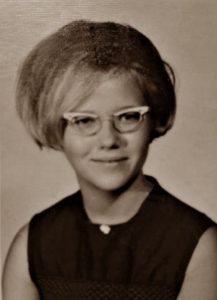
column 77, row 57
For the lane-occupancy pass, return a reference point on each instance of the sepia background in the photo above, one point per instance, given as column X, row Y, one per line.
column 184, row 161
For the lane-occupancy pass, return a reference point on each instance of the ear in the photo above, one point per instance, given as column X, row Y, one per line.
column 161, row 129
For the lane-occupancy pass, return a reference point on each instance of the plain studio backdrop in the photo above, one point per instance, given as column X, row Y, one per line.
column 184, row 161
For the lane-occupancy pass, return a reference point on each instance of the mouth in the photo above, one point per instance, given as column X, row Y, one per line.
column 110, row 160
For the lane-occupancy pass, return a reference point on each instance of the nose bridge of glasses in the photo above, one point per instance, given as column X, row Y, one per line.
column 109, row 119
column 107, row 128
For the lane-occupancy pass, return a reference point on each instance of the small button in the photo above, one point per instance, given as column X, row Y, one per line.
column 105, row 228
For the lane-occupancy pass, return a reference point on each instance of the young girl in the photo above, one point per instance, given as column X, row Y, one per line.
column 101, row 93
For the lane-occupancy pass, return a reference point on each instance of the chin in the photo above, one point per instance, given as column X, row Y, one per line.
column 114, row 183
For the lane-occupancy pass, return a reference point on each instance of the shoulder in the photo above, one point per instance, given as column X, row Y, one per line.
column 16, row 271
column 18, row 248
column 58, row 211
column 181, row 223
column 201, row 274
column 50, row 229
column 50, row 222
column 178, row 212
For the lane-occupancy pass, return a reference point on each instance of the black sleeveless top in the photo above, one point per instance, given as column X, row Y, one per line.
column 142, row 259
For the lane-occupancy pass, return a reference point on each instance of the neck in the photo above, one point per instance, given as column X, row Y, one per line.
column 114, row 207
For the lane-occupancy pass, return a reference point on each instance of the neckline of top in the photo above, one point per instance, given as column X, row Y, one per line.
column 85, row 219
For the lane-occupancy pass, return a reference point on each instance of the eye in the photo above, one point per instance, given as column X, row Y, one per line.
column 83, row 121
column 129, row 117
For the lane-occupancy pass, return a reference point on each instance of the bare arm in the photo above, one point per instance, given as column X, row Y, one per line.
column 201, row 277
column 17, row 283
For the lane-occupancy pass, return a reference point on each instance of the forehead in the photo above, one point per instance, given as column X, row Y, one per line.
column 111, row 93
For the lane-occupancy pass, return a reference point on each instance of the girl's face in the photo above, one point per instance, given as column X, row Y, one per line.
column 109, row 159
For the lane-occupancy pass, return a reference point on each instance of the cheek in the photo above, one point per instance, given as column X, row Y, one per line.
column 139, row 141
column 140, row 146
column 74, row 146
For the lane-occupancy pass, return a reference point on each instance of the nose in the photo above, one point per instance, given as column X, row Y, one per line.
column 108, row 136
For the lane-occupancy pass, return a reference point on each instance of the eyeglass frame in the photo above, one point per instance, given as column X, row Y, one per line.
column 143, row 110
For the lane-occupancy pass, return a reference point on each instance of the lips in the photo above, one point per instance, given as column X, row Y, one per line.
column 110, row 159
